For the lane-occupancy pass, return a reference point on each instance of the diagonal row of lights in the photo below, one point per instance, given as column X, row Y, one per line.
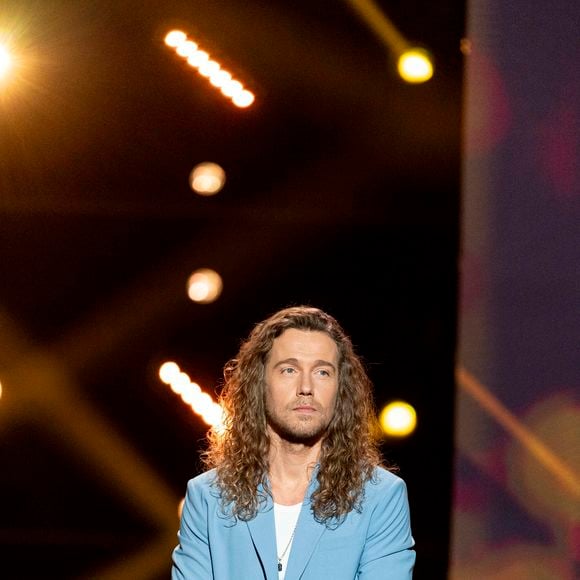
column 209, row 68
column 192, row 394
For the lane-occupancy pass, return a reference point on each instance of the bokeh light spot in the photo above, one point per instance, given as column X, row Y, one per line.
column 398, row 419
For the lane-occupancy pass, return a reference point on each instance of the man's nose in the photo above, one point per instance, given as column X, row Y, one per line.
column 305, row 384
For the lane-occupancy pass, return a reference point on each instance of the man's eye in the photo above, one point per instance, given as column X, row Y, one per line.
column 288, row 371
column 324, row 372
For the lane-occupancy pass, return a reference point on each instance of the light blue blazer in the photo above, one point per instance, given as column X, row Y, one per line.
column 375, row 543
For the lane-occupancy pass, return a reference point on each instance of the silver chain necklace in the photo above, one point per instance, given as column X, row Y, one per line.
column 280, row 558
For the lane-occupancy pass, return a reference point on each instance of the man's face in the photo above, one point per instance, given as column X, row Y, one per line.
column 301, row 384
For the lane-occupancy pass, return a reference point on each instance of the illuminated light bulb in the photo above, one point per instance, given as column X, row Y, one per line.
column 207, row 178
column 186, row 49
column 180, row 383
column 208, row 68
column 220, row 78
column 197, row 58
column 243, row 99
column 214, row 415
column 168, row 371
column 398, row 419
column 415, row 66
column 175, row 38
column 5, row 61
column 202, row 403
column 204, row 286
column 232, row 88
column 190, row 392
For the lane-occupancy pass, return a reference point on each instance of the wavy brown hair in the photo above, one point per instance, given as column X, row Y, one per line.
column 349, row 451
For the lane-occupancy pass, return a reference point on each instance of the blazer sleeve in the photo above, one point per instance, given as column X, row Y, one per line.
column 191, row 557
column 388, row 552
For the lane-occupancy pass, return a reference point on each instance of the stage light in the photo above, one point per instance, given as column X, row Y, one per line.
column 175, row 38
column 168, row 371
column 220, row 78
column 204, row 286
column 207, row 178
column 193, row 395
column 415, row 66
column 398, row 419
column 5, row 62
column 210, row 69
column 232, row 89
column 186, row 49
column 243, row 99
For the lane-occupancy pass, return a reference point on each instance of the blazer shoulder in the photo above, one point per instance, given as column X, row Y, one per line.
column 203, row 484
column 383, row 481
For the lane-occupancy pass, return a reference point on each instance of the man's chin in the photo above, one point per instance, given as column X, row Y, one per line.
column 307, row 435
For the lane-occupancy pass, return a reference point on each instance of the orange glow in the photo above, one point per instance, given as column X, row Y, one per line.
column 204, row 286
column 5, row 62
column 207, row 178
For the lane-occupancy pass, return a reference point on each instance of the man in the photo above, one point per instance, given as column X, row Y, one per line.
column 295, row 489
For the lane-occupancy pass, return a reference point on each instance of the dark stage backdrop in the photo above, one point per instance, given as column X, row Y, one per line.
column 517, row 465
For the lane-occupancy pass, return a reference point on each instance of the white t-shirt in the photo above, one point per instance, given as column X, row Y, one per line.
column 286, row 518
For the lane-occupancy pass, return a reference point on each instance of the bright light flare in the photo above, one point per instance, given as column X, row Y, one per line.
column 415, row 66
column 192, row 395
column 207, row 178
column 243, row 99
column 210, row 69
column 175, row 38
column 398, row 419
column 5, row 61
column 204, row 286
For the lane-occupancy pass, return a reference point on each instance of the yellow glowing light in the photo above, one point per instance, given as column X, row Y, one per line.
column 197, row 58
column 398, row 419
column 192, row 394
column 243, row 99
column 186, row 49
column 5, row 62
column 204, row 286
column 209, row 68
column 175, row 38
column 220, row 78
column 168, row 371
column 415, row 66
column 207, row 178
column 232, row 88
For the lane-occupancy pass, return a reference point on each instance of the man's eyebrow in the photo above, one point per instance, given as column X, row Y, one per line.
column 294, row 361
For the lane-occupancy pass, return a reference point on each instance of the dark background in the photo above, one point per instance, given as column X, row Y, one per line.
column 342, row 192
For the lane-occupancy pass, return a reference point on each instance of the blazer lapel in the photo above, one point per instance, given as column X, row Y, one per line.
column 306, row 538
column 263, row 532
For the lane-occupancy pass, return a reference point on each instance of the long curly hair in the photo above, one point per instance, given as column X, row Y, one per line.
column 239, row 451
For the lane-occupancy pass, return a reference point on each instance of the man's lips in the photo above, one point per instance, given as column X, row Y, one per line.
column 305, row 409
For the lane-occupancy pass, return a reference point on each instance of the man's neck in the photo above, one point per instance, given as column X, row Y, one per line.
column 290, row 469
